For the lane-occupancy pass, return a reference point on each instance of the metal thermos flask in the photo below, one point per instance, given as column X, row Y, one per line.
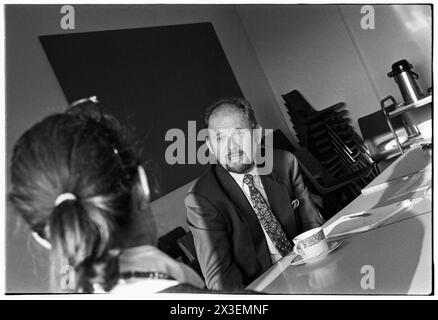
column 406, row 80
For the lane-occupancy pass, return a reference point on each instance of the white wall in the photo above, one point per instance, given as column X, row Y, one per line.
column 33, row 92
column 308, row 48
column 401, row 32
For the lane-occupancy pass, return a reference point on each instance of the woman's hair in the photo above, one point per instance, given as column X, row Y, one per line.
column 88, row 154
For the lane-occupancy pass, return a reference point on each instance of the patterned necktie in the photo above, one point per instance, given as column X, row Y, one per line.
column 267, row 218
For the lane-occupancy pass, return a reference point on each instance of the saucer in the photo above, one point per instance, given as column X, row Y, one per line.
column 297, row 260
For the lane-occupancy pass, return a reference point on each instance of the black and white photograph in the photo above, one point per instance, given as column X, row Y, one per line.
column 230, row 149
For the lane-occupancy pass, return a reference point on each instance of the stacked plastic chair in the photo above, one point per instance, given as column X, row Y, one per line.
column 328, row 136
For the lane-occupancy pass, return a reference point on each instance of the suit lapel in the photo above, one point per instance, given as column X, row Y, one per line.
column 235, row 193
column 279, row 201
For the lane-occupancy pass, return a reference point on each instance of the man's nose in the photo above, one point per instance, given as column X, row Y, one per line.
column 235, row 141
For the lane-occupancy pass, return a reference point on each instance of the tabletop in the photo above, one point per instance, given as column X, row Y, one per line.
column 394, row 258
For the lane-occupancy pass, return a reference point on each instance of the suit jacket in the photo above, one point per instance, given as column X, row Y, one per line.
column 229, row 240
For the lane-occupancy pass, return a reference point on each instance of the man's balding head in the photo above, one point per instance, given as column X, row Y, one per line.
column 233, row 137
column 231, row 105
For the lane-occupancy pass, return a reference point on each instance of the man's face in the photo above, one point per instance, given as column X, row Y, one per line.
column 231, row 139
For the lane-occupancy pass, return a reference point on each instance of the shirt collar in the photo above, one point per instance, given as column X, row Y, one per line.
column 150, row 259
column 239, row 176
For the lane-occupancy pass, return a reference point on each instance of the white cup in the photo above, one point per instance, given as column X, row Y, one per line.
column 311, row 243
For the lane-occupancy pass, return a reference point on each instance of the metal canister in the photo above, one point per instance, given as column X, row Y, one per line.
column 406, row 80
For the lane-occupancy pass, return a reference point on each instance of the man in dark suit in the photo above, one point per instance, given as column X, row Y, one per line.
column 242, row 221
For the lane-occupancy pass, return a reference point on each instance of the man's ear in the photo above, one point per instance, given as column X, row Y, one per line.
column 258, row 134
column 207, row 142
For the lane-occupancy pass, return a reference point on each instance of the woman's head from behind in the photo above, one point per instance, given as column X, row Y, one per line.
column 76, row 181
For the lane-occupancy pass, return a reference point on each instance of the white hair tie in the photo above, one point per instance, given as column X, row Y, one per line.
column 63, row 197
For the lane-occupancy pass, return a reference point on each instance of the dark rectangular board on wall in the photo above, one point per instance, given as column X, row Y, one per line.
column 152, row 79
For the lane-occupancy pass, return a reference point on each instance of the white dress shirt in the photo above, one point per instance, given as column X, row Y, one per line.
column 275, row 255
